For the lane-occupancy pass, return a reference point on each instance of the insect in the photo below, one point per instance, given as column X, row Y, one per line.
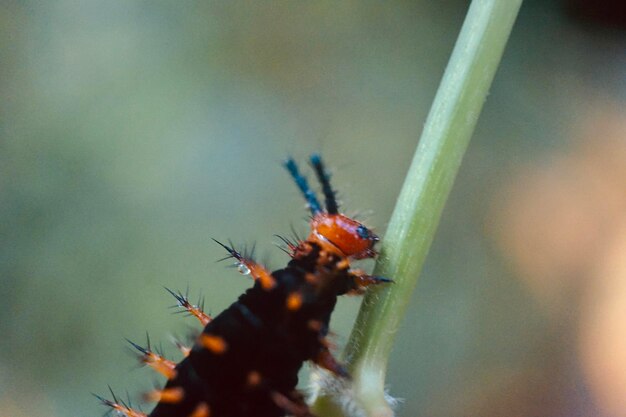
column 245, row 362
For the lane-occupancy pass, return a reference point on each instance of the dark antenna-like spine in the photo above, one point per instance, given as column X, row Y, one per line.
column 303, row 185
column 324, row 179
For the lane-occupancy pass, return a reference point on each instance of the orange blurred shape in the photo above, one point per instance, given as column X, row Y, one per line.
column 603, row 329
column 554, row 220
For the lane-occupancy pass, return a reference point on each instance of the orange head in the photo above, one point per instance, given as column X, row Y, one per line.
column 330, row 229
column 342, row 235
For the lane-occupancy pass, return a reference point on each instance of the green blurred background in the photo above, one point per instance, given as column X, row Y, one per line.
column 132, row 132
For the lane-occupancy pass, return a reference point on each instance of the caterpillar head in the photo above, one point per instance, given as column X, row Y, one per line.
column 332, row 230
column 340, row 234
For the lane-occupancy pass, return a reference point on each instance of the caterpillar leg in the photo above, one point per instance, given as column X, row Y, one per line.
column 361, row 281
column 248, row 266
column 326, row 360
column 295, row 406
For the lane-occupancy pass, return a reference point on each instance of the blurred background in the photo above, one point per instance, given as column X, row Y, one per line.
column 131, row 133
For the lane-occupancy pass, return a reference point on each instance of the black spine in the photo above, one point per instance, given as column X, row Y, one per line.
column 324, row 179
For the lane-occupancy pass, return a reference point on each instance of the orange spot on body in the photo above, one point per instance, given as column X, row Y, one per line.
column 343, row 264
column 325, row 256
column 294, row 301
column 254, row 378
column 311, row 278
column 167, row 395
column 213, row 343
column 314, row 325
column 202, row 410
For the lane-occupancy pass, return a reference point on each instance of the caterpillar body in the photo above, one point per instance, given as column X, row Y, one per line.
column 245, row 362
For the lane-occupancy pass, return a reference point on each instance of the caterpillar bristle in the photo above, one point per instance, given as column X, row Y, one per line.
column 290, row 245
column 182, row 347
column 232, row 253
column 155, row 361
column 249, row 253
column 246, row 265
column 194, row 310
column 295, row 234
column 119, row 407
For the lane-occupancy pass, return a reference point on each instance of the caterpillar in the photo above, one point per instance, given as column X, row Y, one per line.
column 245, row 362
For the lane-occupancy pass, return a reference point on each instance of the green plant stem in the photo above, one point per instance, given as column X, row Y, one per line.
column 447, row 132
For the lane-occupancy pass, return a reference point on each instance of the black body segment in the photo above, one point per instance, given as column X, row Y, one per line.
column 266, row 343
